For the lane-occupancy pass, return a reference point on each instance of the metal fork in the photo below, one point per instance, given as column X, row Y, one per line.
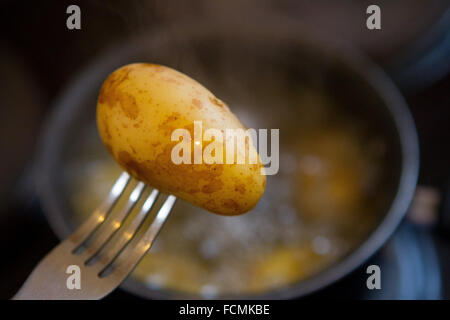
column 101, row 264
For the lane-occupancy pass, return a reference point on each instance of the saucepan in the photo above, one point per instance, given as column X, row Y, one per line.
column 348, row 162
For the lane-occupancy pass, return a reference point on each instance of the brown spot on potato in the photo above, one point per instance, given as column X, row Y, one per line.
column 111, row 84
column 133, row 167
column 172, row 80
column 231, row 204
column 124, row 157
column 216, row 101
column 154, row 67
column 193, row 190
column 106, row 128
column 240, row 188
column 146, row 152
column 129, row 106
column 213, row 186
column 168, row 126
column 109, row 148
column 173, row 117
column 197, row 103
column 112, row 93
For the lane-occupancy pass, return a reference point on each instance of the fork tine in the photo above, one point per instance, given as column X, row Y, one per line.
column 99, row 215
column 114, row 222
column 131, row 255
column 125, row 237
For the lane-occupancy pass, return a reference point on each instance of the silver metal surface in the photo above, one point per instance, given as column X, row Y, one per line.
column 103, row 264
column 363, row 83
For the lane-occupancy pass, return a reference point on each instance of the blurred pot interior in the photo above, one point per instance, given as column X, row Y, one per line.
column 348, row 163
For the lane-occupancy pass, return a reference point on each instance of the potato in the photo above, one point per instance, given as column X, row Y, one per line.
column 139, row 107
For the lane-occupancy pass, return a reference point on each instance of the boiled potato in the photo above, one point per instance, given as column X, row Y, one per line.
column 139, row 107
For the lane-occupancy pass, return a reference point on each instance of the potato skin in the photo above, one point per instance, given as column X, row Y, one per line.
column 138, row 108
